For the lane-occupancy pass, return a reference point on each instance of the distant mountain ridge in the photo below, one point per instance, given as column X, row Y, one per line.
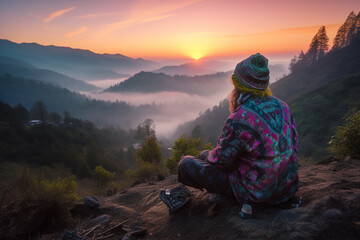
column 78, row 63
column 150, row 82
column 20, row 68
column 200, row 67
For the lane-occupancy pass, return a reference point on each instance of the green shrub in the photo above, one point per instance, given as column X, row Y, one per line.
column 34, row 204
column 102, row 177
column 144, row 171
column 185, row 145
column 149, row 151
column 346, row 141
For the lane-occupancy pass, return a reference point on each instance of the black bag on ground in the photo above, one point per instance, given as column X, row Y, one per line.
column 175, row 198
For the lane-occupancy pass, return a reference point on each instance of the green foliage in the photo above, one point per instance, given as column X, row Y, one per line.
column 145, row 130
column 76, row 144
column 144, row 171
column 34, row 203
column 346, row 141
column 185, row 145
column 148, row 157
column 102, row 177
column 14, row 90
column 149, row 151
column 318, row 112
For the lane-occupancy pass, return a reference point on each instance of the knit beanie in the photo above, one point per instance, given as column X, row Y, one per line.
column 252, row 73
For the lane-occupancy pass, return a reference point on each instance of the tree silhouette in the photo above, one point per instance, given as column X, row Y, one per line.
column 197, row 132
column 318, row 46
column 145, row 130
column 38, row 111
column 347, row 32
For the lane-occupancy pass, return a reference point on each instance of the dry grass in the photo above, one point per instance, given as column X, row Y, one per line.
column 33, row 204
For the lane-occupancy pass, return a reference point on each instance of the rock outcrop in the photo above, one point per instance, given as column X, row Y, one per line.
column 330, row 190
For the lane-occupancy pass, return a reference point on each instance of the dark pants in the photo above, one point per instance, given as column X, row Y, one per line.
column 197, row 173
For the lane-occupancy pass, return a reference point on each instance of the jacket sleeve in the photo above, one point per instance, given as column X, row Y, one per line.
column 233, row 142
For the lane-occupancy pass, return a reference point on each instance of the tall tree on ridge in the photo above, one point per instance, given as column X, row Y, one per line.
column 318, row 46
column 347, row 32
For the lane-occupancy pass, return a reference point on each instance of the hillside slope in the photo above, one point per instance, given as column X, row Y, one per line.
column 317, row 113
column 14, row 90
column 149, row 82
column 335, row 64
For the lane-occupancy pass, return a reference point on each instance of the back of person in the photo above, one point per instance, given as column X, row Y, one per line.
column 266, row 170
column 255, row 158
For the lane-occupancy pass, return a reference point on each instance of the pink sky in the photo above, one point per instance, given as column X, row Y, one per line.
column 174, row 29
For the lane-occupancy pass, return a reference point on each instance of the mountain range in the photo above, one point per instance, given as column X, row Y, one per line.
column 77, row 63
column 149, row 82
column 20, row 68
column 201, row 67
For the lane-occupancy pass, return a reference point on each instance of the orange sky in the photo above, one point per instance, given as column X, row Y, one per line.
column 173, row 28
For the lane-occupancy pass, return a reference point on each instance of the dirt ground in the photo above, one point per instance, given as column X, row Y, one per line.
column 330, row 190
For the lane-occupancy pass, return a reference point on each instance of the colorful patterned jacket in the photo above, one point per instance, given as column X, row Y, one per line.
column 258, row 147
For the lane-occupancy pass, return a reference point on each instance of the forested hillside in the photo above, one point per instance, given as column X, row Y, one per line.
column 149, row 82
column 62, row 143
column 14, row 90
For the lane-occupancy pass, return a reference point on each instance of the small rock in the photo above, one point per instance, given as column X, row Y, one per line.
column 348, row 158
column 91, row 202
column 100, row 220
column 128, row 237
column 70, row 235
column 161, row 177
column 333, row 214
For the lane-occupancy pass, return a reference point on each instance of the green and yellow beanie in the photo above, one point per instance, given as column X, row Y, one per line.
column 252, row 75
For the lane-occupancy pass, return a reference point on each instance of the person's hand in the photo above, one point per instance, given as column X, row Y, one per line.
column 203, row 155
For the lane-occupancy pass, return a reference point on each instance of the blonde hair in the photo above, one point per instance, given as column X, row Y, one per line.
column 240, row 88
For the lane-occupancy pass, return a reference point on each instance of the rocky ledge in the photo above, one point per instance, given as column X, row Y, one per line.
column 330, row 190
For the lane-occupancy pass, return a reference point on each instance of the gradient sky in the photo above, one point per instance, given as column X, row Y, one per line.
column 173, row 28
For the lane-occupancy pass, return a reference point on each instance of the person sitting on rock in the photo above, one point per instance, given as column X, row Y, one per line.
column 255, row 159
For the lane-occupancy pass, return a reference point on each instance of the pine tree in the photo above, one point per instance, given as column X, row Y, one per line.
column 318, row 46
column 39, row 112
column 347, row 32
column 323, row 42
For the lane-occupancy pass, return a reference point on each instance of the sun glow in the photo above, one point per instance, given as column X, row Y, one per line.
column 196, row 56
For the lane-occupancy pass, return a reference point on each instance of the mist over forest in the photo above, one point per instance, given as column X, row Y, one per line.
column 170, row 95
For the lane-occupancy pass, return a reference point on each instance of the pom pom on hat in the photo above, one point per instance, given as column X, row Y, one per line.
column 252, row 72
